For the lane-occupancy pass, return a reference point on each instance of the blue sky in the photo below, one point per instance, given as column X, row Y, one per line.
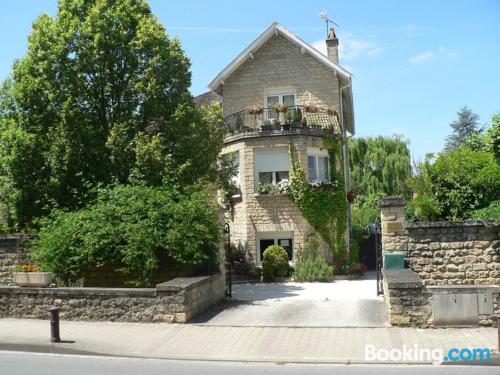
column 414, row 63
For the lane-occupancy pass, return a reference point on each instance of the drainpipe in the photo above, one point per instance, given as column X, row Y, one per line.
column 346, row 164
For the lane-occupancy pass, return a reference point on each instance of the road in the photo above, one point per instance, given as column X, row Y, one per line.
column 20, row 363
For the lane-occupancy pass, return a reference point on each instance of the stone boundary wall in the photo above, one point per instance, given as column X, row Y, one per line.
column 406, row 298
column 175, row 301
column 12, row 254
column 443, row 253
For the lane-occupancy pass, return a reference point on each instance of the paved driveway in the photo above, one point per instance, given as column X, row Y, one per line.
column 350, row 303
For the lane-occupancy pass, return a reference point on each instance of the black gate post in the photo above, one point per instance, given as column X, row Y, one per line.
column 378, row 250
column 229, row 288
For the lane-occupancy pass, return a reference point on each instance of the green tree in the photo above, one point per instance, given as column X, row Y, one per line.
column 455, row 184
column 101, row 97
column 465, row 126
column 379, row 165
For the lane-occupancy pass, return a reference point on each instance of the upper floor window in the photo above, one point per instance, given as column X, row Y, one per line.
column 318, row 168
column 274, row 97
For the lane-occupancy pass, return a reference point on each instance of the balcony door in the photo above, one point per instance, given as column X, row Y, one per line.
column 275, row 97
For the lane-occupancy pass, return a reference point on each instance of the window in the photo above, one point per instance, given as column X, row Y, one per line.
column 272, row 177
column 268, row 239
column 234, row 159
column 271, row 165
column 318, row 168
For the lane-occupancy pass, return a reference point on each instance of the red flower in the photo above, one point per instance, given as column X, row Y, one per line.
column 350, row 196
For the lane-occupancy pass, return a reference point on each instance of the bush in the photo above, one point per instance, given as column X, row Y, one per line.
column 313, row 269
column 492, row 212
column 275, row 263
column 423, row 208
column 127, row 230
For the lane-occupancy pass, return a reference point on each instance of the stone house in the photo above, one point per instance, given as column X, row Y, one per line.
column 280, row 89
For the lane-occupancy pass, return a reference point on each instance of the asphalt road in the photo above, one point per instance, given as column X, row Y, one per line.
column 20, row 363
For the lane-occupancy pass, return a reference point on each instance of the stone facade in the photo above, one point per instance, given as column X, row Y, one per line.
column 252, row 213
column 280, row 64
column 443, row 253
column 12, row 253
column 177, row 300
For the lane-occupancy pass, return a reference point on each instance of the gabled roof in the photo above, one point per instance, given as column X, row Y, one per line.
column 275, row 28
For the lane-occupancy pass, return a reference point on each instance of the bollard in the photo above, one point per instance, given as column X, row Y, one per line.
column 54, row 324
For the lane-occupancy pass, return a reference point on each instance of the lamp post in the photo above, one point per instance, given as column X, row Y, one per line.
column 229, row 289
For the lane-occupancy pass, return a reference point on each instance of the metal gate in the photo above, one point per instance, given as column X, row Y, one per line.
column 377, row 230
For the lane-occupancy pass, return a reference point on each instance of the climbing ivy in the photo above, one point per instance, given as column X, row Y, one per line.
column 324, row 208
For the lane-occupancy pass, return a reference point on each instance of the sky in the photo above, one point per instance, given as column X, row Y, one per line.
column 414, row 64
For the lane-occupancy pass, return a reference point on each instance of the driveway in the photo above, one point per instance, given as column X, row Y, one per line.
column 349, row 303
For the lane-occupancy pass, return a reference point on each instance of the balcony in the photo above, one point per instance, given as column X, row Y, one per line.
column 296, row 120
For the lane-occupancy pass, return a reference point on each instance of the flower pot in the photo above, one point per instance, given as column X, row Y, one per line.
column 32, row 279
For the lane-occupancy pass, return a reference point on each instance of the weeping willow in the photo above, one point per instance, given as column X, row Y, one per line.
column 379, row 165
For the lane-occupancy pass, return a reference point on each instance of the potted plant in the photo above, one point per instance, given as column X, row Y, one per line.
column 254, row 109
column 280, row 108
column 310, row 108
column 330, row 111
column 28, row 274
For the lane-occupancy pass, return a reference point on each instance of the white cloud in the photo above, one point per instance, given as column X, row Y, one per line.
column 422, row 57
column 351, row 47
column 430, row 55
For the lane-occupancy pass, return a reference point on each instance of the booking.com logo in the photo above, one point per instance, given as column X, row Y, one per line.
column 416, row 354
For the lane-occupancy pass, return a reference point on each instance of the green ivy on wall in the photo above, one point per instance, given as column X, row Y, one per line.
column 324, row 208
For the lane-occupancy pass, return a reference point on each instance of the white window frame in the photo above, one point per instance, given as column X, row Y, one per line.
column 257, row 171
column 280, row 93
column 274, row 236
column 317, row 152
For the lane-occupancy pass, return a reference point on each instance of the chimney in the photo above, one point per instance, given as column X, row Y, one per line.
column 332, row 46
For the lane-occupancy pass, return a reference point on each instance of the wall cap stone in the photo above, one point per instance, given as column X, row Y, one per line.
column 448, row 224
column 81, row 292
column 401, row 278
column 185, row 283
column 391, row 202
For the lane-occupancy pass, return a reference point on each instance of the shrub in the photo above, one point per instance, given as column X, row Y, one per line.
column 127, row 230
column 313, row 268
column 423, row 208
column 275, row 263
column 492, row 212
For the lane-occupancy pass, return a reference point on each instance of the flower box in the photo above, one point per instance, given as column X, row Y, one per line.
column 33, row 279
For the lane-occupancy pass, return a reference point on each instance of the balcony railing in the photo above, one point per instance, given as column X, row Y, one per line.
column 295, row 120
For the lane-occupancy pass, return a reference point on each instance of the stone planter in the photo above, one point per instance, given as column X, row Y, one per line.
column 32, row 279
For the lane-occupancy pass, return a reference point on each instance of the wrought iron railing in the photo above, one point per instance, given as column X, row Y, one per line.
column 294, row 118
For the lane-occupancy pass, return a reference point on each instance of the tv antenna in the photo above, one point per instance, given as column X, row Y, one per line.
column 327, row 20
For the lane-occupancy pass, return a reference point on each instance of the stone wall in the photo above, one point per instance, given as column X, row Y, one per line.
column 177, row 300
column 12, row 254
column 443, row 253
column 406, row 298
column 280, row 64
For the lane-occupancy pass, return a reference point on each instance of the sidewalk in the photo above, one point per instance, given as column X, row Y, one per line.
column 273, row 344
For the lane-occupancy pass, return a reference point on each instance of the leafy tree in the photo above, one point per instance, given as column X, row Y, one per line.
column 127, row 231
column 455, row 184
column 101, row 97
column 465, row 126
column 379, row 165
column 488, row 140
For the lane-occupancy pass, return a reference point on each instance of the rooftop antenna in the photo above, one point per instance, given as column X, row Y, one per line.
column 327, row 20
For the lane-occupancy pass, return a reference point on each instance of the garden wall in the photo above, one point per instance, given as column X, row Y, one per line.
column 12, row 253
column 443, row 253
column 177, row 300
